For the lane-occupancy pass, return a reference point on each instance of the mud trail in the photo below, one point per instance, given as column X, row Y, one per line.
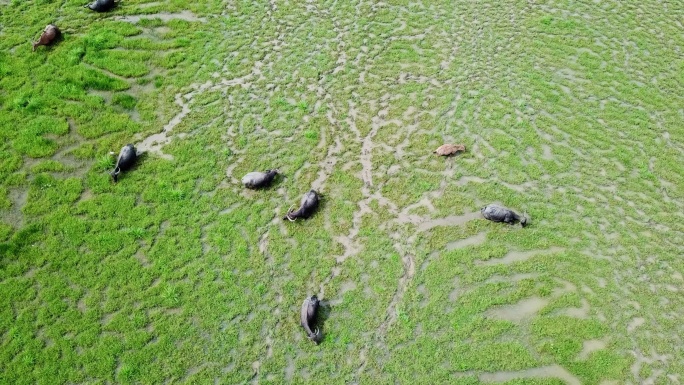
column 183, row 15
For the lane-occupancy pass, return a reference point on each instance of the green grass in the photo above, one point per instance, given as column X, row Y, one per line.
column 570, row 112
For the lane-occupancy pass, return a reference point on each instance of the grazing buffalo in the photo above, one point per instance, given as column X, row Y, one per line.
column 449, row 149
column 255, row 180
column 307, row 207
column 49, row 35
column 101, row 5
column 497, row 213
column 308, row 318
column 127, row 157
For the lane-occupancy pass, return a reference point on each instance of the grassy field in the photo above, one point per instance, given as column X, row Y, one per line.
column 571, row 111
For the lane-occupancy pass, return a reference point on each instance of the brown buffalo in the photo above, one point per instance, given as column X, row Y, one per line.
column 449, row 149
column 49, row 35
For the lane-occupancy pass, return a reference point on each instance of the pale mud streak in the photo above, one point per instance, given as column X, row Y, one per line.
column 14, row 216
column 409, row 272
column 344, row 288
column 527, row 308
column 519, row 256
column 590, row 346
column 183, row 15
column 351, row 245
column 263, row 248
column 408, row 259
column 577, row 312
column 519, row 311
column 641, row 359
column 453, row 220
column 475, row 240
column 155, row 142
column 327, row 165
column 512, row 278
column 552, row 371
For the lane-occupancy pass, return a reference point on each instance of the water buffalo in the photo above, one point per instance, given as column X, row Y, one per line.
column 101, row 5
column 49, row 35
column 255, row 180
column 497, row 213
column 308, row 317
column 449, row 149
column 307, row 206
column 127, row 157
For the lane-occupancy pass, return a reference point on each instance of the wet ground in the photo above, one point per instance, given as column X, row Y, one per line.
column 569, row 114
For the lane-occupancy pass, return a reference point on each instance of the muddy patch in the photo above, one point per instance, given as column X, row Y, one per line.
column 552, row 371
column 14, row 216
column 454, row 220
column 524, row 309
column 327, row 165
column 518, row 256
column 183, row 15
column 470, row 241
column 512, row 278
column 140, row 256
column 578, row 312
column 346, row 287
column 425, row 224
column 589, row 347
column 635, row 323
column 154, row 143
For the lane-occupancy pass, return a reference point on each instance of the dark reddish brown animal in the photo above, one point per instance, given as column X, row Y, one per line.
column 449, row 149
column 49, row 35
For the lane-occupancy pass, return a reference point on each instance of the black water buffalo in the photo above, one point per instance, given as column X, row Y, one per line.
column 255, row 180
column 127, row 157
column 101, row 5
column 308, row 318
column 306, row 208
column 498, row 213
